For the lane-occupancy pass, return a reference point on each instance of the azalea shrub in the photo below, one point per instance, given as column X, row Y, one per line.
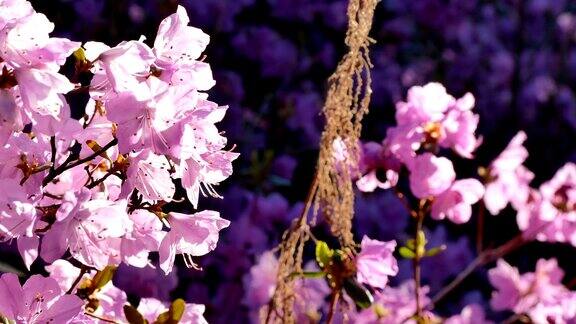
column 115, row 205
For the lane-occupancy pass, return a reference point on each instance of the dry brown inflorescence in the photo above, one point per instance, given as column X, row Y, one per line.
column 331, row 192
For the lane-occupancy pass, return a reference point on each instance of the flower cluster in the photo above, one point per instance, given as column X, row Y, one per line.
column 539, row 294
column 99, row 189
column 430, row 119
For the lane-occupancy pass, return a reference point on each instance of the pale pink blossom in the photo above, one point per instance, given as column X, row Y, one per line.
column 430, row 175
column 150, row 308
column 509, row 179
column 39, row 300
column 471, row 314
column 375, row 262
column 456, row 202
column 190, row 235
column 521, row 293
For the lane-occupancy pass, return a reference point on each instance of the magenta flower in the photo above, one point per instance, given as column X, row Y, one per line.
column 261, row 282
column 40, row 300
column 423, row 104
column 509, row 178
column 379, row 168
column 375, row 262
column 456, row 202
column 471, row 314
column 430, row 175
column 550, row 214
column 523, row 293
column 430, row 118
column 393, row 305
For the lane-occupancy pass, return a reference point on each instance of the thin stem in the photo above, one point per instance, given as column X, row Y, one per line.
column 83, row 271
column 103, row 319
column 482, row 259
column 333, row 303
column 404, row 201
column 65, row 166
column 53, row 149
column 480, row 228
column 99, row 181
column 417, row 257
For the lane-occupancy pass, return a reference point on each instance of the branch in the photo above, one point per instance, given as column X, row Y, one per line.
column 66, row 166
column 103, row 319
column 482, row 259
column 83, row 271
column 53, row 149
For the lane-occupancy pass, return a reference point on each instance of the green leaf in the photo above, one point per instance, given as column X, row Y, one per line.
column 406, row 253
column 323, row 254
column 308, row 274
column 359, row 294
column 133, row 316
column 435, row 250
column 103, row 277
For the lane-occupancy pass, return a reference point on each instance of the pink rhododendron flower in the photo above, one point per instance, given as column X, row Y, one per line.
column 375, row 262
column 112, row 301
column 537, row 294
column 190, row 235
column 431, row 117
column 150, row 308
column 145, row 236
column 378, row 167
column 393, row 305
column 509, row 178
column 261, row 280
column 120, row 69
column 423, row 104
column 13, row 10
column 471, row 314
column 430, row 175
column 260, row 284
column 150, row 174
column 550, row 214
column 177, row 43
column 64, row 273
column 90, row 228
column 456, row 202
column 39, row 300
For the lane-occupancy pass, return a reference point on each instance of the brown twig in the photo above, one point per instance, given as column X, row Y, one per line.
column 480, row 227
column 83, row 271
column 66, row 166
column 482, row 259
column 103, row 319
column 334, row 298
